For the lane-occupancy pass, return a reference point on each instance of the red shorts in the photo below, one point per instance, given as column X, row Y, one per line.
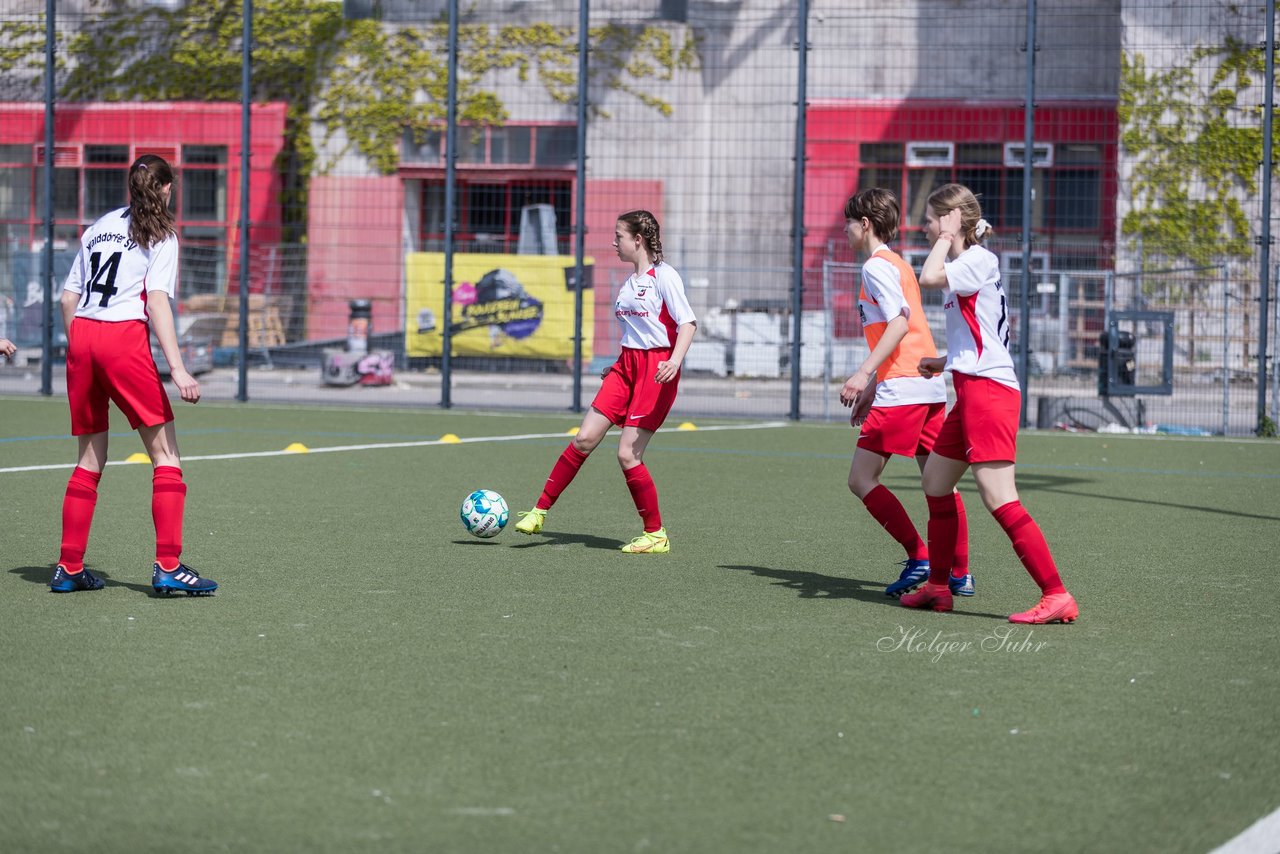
column 630, row 397
column 906, row 430
column 112, row 361
column 982, row 427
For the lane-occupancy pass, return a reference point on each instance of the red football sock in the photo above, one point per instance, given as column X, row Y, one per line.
column 960, row 561
column 886, row 509
column 944, row 526
column 562, row 474
column 1028, row 543
column 77, row 516
column 168, row 499
column 645, row 495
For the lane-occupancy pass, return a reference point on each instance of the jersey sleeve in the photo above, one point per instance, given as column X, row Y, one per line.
column 75, row 278
column 971, row 271
column 162, row 273
column 671, row 288
column 883, row 283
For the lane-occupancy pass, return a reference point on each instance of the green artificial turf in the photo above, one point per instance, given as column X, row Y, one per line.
column 371, row 678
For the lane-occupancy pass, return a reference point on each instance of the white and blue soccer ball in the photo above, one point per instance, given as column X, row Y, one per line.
column 484, row 513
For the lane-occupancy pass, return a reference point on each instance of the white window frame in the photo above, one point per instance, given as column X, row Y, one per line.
column 918, row 154
column 1041, row 155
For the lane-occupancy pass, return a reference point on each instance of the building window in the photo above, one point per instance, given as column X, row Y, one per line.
column 502, row 171
column 202, row 244
column 15, row 183
column 489, row 213
column 106, row 177
column 544, row 146
column 1066, row 188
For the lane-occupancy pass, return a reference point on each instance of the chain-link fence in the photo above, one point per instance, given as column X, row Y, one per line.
column 1130, row 230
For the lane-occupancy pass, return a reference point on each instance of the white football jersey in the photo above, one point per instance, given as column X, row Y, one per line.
column 651, row 306
column 113, row 274
column 881, row 299
column 978, row 318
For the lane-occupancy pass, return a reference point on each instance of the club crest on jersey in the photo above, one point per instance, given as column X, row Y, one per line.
column 640, row 292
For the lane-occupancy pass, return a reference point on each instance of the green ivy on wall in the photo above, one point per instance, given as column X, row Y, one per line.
column 1194, row 150
column 361, row 81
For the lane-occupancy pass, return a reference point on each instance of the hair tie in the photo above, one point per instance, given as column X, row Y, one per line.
column 981, row 228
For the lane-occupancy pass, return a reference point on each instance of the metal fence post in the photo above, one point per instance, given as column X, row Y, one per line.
column 46, row 335
column 580, row 229
column 246, row 101
column 1264, row 262
column 1226, row 346
column 450, row 207
column 1028, row 162
column 797, row 210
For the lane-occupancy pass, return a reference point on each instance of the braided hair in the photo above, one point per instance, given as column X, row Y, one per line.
column 645, row 224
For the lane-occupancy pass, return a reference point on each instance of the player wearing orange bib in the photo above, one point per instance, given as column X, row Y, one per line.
column 900, row 411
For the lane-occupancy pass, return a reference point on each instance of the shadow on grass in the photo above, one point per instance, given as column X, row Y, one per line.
column 41, row 575
column 1031, row 482
column 1174, row 505
column 547, row 538
column 813, row 585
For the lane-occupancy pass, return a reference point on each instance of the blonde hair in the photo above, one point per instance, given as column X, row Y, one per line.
column 645, row 224
column 957, row 197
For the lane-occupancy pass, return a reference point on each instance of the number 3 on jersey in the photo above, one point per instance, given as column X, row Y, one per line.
column 102, row 277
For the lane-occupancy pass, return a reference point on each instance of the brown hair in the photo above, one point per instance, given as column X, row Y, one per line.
column 645, row 224
column 951, row 197
column 879, row 206
column 150, row 220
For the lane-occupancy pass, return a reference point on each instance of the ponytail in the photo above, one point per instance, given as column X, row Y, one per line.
column 150, row 220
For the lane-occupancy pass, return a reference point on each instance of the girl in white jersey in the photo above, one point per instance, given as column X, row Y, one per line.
column 121, row 280
column 640, row 387
column 899, row 411
column 981, row 429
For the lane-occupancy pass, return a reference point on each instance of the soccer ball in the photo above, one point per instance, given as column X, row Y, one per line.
column 484, row 513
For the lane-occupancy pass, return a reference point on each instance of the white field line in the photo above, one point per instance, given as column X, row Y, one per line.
column 1261, row 837
column 425, row 443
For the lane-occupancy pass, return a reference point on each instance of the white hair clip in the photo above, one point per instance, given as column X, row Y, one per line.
column 981, row 228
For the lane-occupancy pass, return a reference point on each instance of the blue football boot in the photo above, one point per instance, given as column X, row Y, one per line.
column 962, row 586
column 68, row 582
column 183, row 579
column 914, row 573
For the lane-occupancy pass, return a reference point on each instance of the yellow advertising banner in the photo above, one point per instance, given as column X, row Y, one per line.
column 503, row 305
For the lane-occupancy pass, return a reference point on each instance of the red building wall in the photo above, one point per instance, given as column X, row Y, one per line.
column 164, row 128
column 354, row 250
column 836, row 131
